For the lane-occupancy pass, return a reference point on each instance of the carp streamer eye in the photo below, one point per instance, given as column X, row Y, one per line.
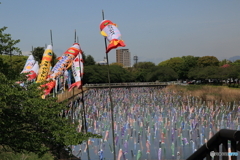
column 49, row 53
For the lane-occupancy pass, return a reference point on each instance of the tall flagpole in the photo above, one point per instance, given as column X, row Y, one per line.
column 74, row 42
column 51, row 45
column 75, row 36
column 110, row 96
column 82, row 100
column 51, row 37
column 54, row 90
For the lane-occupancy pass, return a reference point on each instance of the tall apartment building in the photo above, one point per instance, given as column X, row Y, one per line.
column 123, row 56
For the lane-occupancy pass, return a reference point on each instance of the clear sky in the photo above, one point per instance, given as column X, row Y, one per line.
column 154, row 30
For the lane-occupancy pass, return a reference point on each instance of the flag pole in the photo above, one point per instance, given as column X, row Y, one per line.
column 110, row 96
column 82, row 99
column 51, row 37
column 75, row 36
column 54, row 90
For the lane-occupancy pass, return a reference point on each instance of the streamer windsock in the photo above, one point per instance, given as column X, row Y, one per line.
column 120, row 153
column 29, row 64
column 63, row 64
column 100, row 153
column 45, row 64
column 139, row 154
column 110, row 31
column 159, row 153
column 33, row 72
column 77, row 70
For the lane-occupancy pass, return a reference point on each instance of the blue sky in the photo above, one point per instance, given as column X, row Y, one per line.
column 154, row 30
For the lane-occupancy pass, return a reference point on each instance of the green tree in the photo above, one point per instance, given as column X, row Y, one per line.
column 207, row 61
column 7, row 44
column 38, row 54
column 99, row 74
column 236, row 63
column 223, row 72
column 233, row 72
column 4, row 67
column 89, row 61
column 194, row 73
column 95, row 74
column 140, row 76
column 12, row 65
column 209, row 72
column 161, row 73
column 189, row 62
column 224, row 62
column 144, row 65
column 118, row 74
column 118, row 64
column 176, row 63
column 142, row 69
column 31, row 124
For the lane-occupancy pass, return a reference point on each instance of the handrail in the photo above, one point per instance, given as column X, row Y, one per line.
column 213, row 144
column 68, row 95
column 131, row 84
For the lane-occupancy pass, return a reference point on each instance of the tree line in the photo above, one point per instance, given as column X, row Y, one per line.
column 176, row 68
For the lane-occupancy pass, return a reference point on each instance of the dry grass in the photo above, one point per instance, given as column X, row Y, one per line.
column 209, row 93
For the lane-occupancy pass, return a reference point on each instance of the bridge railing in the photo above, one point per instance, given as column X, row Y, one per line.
column 132, row 84
column 212, row 150
column 62, row 95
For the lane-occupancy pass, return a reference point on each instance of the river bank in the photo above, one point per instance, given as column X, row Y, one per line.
column 215, row 94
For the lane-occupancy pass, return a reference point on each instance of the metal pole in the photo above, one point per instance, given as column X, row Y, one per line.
column 82, row 100
column 85, row 122
column 75, row 36
column 111, row 103
column 52, row 61
column 51, row 37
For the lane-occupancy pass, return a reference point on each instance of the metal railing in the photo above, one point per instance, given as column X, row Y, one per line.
column 62, row 95
column 218, row 146
column 132, row 84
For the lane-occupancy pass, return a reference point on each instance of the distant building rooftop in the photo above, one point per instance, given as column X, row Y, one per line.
column 104, row 62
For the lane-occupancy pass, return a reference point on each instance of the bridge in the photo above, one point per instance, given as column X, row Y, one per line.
column 130, row 84
column 72, row 94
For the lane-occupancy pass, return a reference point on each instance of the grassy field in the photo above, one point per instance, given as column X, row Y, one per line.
column 215, row 94
column 31, row 156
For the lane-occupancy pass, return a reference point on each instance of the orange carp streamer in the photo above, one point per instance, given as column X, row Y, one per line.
column 65, row 61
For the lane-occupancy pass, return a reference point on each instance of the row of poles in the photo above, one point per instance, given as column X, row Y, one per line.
column 76, row 40
column 110, row 96
column 82, row 93
column 111, row 102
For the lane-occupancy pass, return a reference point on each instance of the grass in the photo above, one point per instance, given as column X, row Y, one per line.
column 30, row 156
column 222, row 94
column 8, row 154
